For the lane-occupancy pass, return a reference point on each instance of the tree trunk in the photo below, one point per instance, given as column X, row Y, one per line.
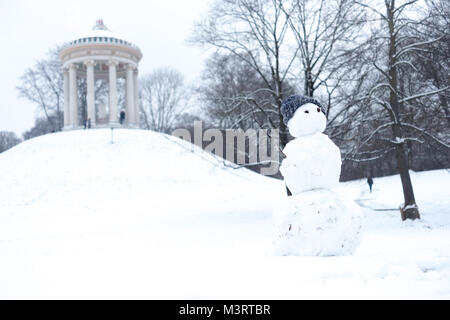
column 284, row 137
column 409, row 209
column 309, row 85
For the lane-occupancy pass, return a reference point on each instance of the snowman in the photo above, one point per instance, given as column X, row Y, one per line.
column 315, row 220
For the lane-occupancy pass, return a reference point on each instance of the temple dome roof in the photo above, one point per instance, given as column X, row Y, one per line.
column 100, row 34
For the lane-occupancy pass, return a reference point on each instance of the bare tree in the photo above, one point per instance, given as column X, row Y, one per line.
column 42, row 84
column 323, row 31
column 163, row 99
column 255, row 32
column 434, row 64
column 231, row 95
column 8, row 140
column 387, row 113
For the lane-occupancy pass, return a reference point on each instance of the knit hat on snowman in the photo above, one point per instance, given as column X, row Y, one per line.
column 292, row 103
column 303, row 115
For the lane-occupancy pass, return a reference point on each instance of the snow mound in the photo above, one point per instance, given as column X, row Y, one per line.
column 152, row 217
column 84, row 172
column 317, row 223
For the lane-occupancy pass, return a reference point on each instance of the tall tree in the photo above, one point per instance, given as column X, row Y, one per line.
column 392, row 97
column 255, row 32
column 323, row 30
column 42, row 84
column 233, row 95
column 434, row 64
column 163, row 99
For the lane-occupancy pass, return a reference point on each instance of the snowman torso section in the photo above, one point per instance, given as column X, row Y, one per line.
column 312, row 162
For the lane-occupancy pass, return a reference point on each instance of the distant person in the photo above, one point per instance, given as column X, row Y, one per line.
column 89, row 123
column 370, row 183
column 122, row 117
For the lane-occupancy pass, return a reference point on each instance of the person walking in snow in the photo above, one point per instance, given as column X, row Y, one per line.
column 370, row 183
column 122, row 117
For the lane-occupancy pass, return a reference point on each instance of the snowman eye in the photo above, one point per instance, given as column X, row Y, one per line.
column 306, row 111
column 318, row 109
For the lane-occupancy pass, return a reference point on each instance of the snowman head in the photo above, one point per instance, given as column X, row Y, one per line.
column 307, row 120
column 303, row 116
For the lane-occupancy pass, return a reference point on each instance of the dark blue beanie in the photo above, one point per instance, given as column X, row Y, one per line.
column 292, row 103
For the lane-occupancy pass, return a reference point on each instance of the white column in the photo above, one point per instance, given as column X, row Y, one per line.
column 66, row 99
column 73, row 99
column 112, row 92
column 90, row 97
column 136, row 98
column 129, row 113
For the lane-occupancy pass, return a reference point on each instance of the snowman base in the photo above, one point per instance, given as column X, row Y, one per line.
column 316, row 223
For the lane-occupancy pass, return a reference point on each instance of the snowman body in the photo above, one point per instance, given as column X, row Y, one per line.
column 312, row 162
column 318, row 222
column 314, row 220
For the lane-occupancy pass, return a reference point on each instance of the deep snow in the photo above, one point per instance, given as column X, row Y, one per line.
column 151, row 216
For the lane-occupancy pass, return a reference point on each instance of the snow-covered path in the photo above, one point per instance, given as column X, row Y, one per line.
column 151, row 217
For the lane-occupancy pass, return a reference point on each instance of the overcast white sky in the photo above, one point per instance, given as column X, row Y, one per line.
column 28, row 28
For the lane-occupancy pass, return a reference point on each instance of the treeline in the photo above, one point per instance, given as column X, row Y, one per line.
column 381, row 67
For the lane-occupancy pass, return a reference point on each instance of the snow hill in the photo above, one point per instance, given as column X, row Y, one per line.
column 150, row 216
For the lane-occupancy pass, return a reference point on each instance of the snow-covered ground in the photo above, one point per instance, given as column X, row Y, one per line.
column 149, row 216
